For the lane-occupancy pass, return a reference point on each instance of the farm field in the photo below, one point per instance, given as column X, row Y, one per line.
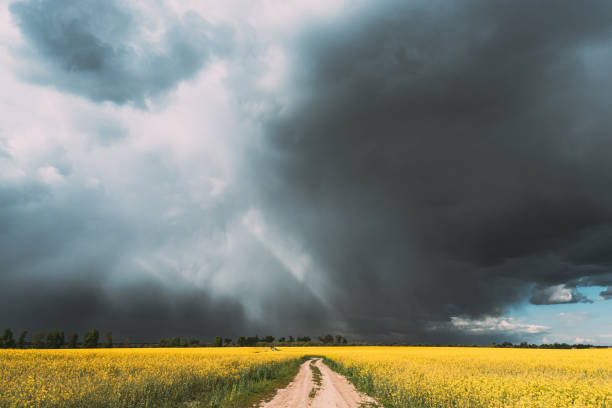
column 478, row 377
column 131, row 377
column 395, row 376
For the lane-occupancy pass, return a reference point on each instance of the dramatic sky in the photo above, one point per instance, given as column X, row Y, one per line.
column 419, row 171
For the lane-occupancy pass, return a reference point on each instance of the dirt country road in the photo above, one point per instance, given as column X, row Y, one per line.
column 317, row 386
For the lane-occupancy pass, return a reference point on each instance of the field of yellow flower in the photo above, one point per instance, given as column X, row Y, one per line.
column 216, row 377
column 156, row 377
column 478, row 377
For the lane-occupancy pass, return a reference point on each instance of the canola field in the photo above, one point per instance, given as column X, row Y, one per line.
column 478, row 377
column 133, row 377
column 227, row 377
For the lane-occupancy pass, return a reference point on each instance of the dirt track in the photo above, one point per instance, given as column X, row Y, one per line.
column 333, row 391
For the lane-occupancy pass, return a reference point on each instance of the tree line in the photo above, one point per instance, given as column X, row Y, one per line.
column 55, row 339
column 243, row 341
column 91, row 339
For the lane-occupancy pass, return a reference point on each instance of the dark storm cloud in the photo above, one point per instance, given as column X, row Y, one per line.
column 143, row 313
column 445, row 156
column 98, row 49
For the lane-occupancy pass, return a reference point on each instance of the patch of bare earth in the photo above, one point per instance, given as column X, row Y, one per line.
column 324, row 389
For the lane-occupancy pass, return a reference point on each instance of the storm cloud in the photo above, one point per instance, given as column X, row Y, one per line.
column 410, row 172
column 109, row 51
column 442, row 159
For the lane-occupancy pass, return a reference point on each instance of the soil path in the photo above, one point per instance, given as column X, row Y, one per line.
column 334, row 391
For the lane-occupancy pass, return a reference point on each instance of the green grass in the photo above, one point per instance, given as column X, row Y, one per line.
column 316, row 378
column 252, row 388
column 365, row 384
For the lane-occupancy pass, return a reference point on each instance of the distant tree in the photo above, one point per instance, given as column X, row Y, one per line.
column 241, row 341
column 344, row 341
column 164, row 342
column 185, row 343
column 251, row 341
column 327, row 339
column 21, row 339
column 304, row 339
column 194, row 342
column 281, row 340
column 91, row 338
column 218, row 342
column 7, row 339
column 109, row 339
column 50, row 340
column 227, row 341
column 269, row 339
column 290, row 339
column 38, row 339
column 126, row 342
column 55, row 339
column 175, row 342
column 73, row 340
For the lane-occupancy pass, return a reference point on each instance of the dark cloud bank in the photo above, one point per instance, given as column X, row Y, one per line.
column 446, row 159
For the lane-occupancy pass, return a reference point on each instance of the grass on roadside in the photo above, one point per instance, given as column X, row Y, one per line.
column 316, row 378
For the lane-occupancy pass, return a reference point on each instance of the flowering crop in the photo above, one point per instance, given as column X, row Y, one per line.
column 478, row 377
column 396, row 376
column 135, row 377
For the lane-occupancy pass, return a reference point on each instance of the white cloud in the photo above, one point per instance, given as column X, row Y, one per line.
column 560, row 294
column 50, row 175
column 571, row 319
column 496, row 325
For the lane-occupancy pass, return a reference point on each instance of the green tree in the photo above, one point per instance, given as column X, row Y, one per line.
column 109, row 339
column 218, row 342
column 241, row 341
column 38, row 339
column 185, row 342
column 126, row 343
column 227, row 342
column 91, row 338
column 21, row 339
column 50, row 342
column 327, row 339
column 73, row 340
column 290, row 339
column 175, row 342
column 164, row 342
column 7, row 339
column 55, row 339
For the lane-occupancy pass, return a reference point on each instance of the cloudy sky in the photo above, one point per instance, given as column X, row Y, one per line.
column 389, row 170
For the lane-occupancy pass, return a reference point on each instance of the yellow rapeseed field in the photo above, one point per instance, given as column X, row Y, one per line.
column 396, row 376
column 478, row 377
column 135, row 377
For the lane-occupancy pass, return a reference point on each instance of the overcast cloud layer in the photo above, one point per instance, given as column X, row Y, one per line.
column 403, row 171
